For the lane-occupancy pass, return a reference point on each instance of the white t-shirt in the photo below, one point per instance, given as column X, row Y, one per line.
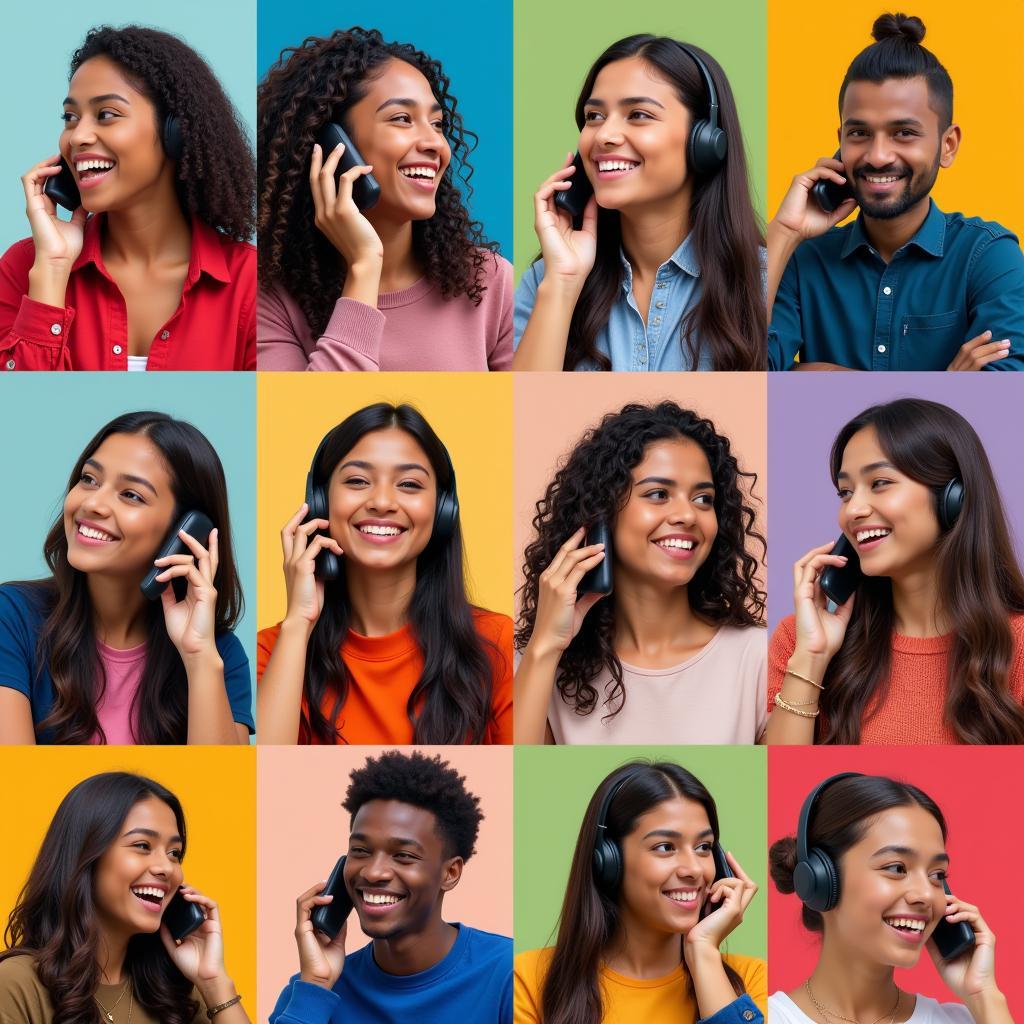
column 782, row 1010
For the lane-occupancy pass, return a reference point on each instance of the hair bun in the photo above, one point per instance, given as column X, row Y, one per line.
column 895, row 26
column 782, row 863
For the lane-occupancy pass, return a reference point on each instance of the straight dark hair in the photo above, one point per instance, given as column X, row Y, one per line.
column 979, row 584
column 571, row 992
column 451, row 702
column 55, row 920
column 66, row 644
column 729, row 318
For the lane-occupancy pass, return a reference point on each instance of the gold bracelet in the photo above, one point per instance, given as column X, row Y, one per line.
column 800, row 703
column 790, row 672
column 779, row 702
column 214, row 1010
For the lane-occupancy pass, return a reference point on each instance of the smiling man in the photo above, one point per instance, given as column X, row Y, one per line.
column 904, row 286
column 413, row 827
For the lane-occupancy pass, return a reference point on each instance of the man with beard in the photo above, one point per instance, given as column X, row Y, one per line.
column 904, row 286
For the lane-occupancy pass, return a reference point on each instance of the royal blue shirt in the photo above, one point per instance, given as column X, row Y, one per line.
column 471, row 985
column 22, row 614
column 839, row 302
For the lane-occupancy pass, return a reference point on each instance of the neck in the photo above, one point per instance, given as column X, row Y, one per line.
column 379, row 599
column 639, row 952
column 152, row 230
column 845, row 984
column 888, row 236
column 915, row 604
column 118, row 611
column 400, row 267
column 110, row 957
column 415, row 952
column 651, row 619
column 652, row 233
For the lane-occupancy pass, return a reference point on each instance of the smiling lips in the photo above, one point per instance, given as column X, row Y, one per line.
column 92, row 168
column 380, row 531
column 152, row 896
column 423, row 176
column 869, row 537
column 379, row 902
column 613, row 168
column 909, row 928
column 92, row 535
column 677, row 546
column 682, row 897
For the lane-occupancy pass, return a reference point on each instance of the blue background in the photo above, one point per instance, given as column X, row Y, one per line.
column 40, row 38
column 46, row 419
column 474, row 45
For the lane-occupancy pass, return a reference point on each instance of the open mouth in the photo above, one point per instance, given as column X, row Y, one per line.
column 380, row 533
column 150, row 895
column 93, row 535
column 868, row 540
column 91, row 172
column 679, row 548
column 881, row 182
column 379, row 903
column 910, row 929
column 610, row 170
column 423, row 176
column 682, row 897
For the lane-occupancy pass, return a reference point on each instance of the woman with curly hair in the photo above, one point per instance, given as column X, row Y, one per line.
column 344, row 287
column 160, row 276
column 674, row 653
column 89, row 940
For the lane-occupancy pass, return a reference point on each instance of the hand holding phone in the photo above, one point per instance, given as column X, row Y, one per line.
column 838, row 582
column 952, row 939
column 574, row 199
column 829, row 194
column 801, row 214
column 321, row 936
column 198, row 526
column 182, row 917
column 329, row 917
column 599, row 579
column 365, row 189
column 63, row 189
column 819, row 632
column 729, row 896
column 565, row 219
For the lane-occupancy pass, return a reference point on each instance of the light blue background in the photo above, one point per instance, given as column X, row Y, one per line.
column 39, row 39
column 46, row 419
column 472, row 41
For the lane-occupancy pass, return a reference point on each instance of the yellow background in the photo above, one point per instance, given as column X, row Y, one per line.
column 980, row 45
column 217, row 789
column 470, row 412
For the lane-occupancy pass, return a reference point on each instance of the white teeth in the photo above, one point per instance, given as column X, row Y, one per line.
column 88, row 531
column 671, row 542
column 380, row 531
column 905, row 922
column 380, row 899
column 682, row 897
column 615, row 165
column 93, row 165
column 863, row 535
column 878, row 180
column 148, row 890
column 419, row 172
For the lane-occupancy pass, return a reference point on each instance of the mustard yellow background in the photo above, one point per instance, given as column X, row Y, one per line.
column 220, row 818
column 980, row 45
column 470, row 412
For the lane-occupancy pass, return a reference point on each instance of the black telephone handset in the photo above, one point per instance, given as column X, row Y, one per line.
column 365, row 189
column 62, row 188
column 196, row 525
column 574, row 199
column 722, row 870
column 830, row 195
column 599, row 579
column 952, row 939
column 838, row 583
column 182, row 917
column 329, row 917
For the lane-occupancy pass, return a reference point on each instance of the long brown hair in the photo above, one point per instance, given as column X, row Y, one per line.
column 979, row 584
column 571, row 992
column 729, row 318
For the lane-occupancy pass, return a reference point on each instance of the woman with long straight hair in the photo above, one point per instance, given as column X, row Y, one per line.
column 86, row 656
column 650, row 900
column 87, row 940
column 929, row 647
column 663, row 270
column 379, row 643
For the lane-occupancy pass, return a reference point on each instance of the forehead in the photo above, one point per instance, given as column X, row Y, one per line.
column 133, row 455
column 911, row 827
column 863, row 449
column 396, row 79
column 384, row 820
column 679, row 458
column 99, row 76
column 680, row 814
column 390, row 446
column 153, row 814
column 894, row 99
column 633, row 76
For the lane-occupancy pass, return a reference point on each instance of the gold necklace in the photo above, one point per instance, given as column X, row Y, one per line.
column 891, row 1014
column 109, row 1014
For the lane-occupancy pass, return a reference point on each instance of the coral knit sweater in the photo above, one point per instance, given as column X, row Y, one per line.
column 912, row 711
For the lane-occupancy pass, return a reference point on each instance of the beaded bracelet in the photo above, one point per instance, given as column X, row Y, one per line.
column 779, row 702
column 214, row 1010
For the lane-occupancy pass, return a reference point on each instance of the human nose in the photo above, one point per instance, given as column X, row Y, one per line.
column 97, row 503
column 82, row 133
column 683, row 512
column 381, row 497
column 688, row 866
column 378, row 868
column 609, row 131
column 881, row 152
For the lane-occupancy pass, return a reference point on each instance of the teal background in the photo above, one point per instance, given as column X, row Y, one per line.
column 39, row 39
column 555, row 47
column 553, row 786
column 46, row 419
column 472, row 41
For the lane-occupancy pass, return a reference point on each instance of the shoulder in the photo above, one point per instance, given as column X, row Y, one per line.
column 931, row 1011
column 782, row 1008
column 493, row 626
column 826, row 248
column 26, row 604
column 532, row 277
column 975, row 228
column 239, row 256
column 20, row 256
column 784, row 635
column 20, row 987
column 531, row 965
column 496, row 267
column 743, row 639
column 266, row 638
column 230, row 647
column 749, row 968
column 488, row 945
column 1016, row 627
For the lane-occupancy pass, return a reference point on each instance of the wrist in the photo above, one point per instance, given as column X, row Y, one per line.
column 48, row 283
column 315, row 979
column 297, row 627
column 701, row 953
column 215, row 991
column 541, row 655
column 206, row 660
column 811, row 664
column 988, row 1004
column 782, row 238
column 560, row 290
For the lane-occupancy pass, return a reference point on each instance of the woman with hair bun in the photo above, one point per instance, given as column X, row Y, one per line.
column 929, row 647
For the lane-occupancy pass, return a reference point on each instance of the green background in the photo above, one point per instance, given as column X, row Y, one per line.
column 555, row 45
column 553, row 786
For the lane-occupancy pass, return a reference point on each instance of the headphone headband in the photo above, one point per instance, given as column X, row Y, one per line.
column 708, row 84
column 808, row 807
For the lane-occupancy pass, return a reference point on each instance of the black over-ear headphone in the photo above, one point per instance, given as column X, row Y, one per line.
column 950, row 503
column 816, row 878
column 707, row 144
column 173, row 139
column 328, row 565
column 607, row 857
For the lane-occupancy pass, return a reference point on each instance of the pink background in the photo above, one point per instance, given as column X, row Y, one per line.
column 303, row 830
column 977, row 791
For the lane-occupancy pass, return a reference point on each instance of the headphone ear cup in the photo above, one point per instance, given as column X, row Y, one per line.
column 706, row 147
column 607, row 862
column 328, row 565
column 174, row 141
column 951, row 502
column 816, row 881
column 445, row 516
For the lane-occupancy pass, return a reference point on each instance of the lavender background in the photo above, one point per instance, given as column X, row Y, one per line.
column 807, row 410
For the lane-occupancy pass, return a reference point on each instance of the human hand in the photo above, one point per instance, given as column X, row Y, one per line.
column 305, row 593
column 336, row 213
column 819, row 632
column 800, row 215
column 568, row 254
column 321, row 959
column 979, row 352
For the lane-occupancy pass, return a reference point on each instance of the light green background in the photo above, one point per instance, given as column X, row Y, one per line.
column 553, row 786
column 38, row 40
column 555, row 45
column 46, row 419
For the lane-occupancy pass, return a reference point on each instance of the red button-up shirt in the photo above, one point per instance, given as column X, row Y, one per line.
column 213, row 328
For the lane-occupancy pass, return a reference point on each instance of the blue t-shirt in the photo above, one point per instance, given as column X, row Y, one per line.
column 23, row 611
column 473, row 983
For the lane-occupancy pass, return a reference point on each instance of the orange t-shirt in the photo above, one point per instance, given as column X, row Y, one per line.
column 913, row 710
column 383, row 672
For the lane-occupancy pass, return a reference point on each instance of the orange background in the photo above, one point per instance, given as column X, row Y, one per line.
column 303, row 830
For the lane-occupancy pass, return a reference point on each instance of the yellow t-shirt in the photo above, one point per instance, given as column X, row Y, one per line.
column 665, row 1000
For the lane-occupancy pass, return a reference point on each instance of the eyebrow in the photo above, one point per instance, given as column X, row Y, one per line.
column 628, row 101
column 403, row 101
column 403, row 468
column 393, row 841
column 869, row 468
column 899, row 122
column 668, row 482
column 669, row 833
column 908, row 851
column 125, row 476
column 149, row 833
column 69, row 102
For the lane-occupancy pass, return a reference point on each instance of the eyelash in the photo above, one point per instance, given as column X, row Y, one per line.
column 405, row 119
column 941, row 873
column 143, row 845
column 103, row 115
column 409, row 485
column 640, row 115
column 844, row 493
column 88, row 480
column 701, row 848
column 661, row 494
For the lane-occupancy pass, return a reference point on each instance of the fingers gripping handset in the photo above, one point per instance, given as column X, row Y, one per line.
column 575, row 198
column 839, row 582
column 198, row 526
column 952, row 939
column 365, row 189
column 330, row 917
column 830, row 195
column 63, row 189
column 599, row 579
column 722, row 870
column 182, row 917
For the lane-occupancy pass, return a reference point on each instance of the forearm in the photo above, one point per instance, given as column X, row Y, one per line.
column 542, row 346
column 362, row 283
column 219, row 991
column 534, row 684
column 990, row 1007
column 49, row 284
column 787, row 727
column 279, row 693
column 210, row 720
column 711, row 985
column 782, row 243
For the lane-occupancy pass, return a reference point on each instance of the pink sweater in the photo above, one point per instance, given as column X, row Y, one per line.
column 414, row 329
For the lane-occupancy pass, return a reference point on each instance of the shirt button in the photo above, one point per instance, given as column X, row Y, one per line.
column 661, row 284
column 10, row 364
column 118, row 350
column 659, row 305
column 887, row 290
column 748, row 1014
column 164, row 335
column 656, row 321
column 55, row 329
column 881, row 348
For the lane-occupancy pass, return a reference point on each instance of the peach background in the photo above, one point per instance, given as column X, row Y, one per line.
column 552, row 410
column 303, row 830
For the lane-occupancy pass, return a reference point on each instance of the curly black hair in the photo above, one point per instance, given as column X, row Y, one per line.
column 421, row 781
column 593, row 485
column 309, row 86
column 216, row 178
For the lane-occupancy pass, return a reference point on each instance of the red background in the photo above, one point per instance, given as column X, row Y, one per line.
column 979, row 792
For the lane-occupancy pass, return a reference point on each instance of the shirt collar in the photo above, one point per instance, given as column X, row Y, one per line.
column 930, row 236
column 685, row 258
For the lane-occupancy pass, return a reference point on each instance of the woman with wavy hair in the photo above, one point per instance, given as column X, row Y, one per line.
column 154, row 269
column 350, row 287
column 674, row 653
column 651, row 898
column 88, row 656
column 663, row 269
column 379, row 643
column 86, row 941
column 929, row 647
